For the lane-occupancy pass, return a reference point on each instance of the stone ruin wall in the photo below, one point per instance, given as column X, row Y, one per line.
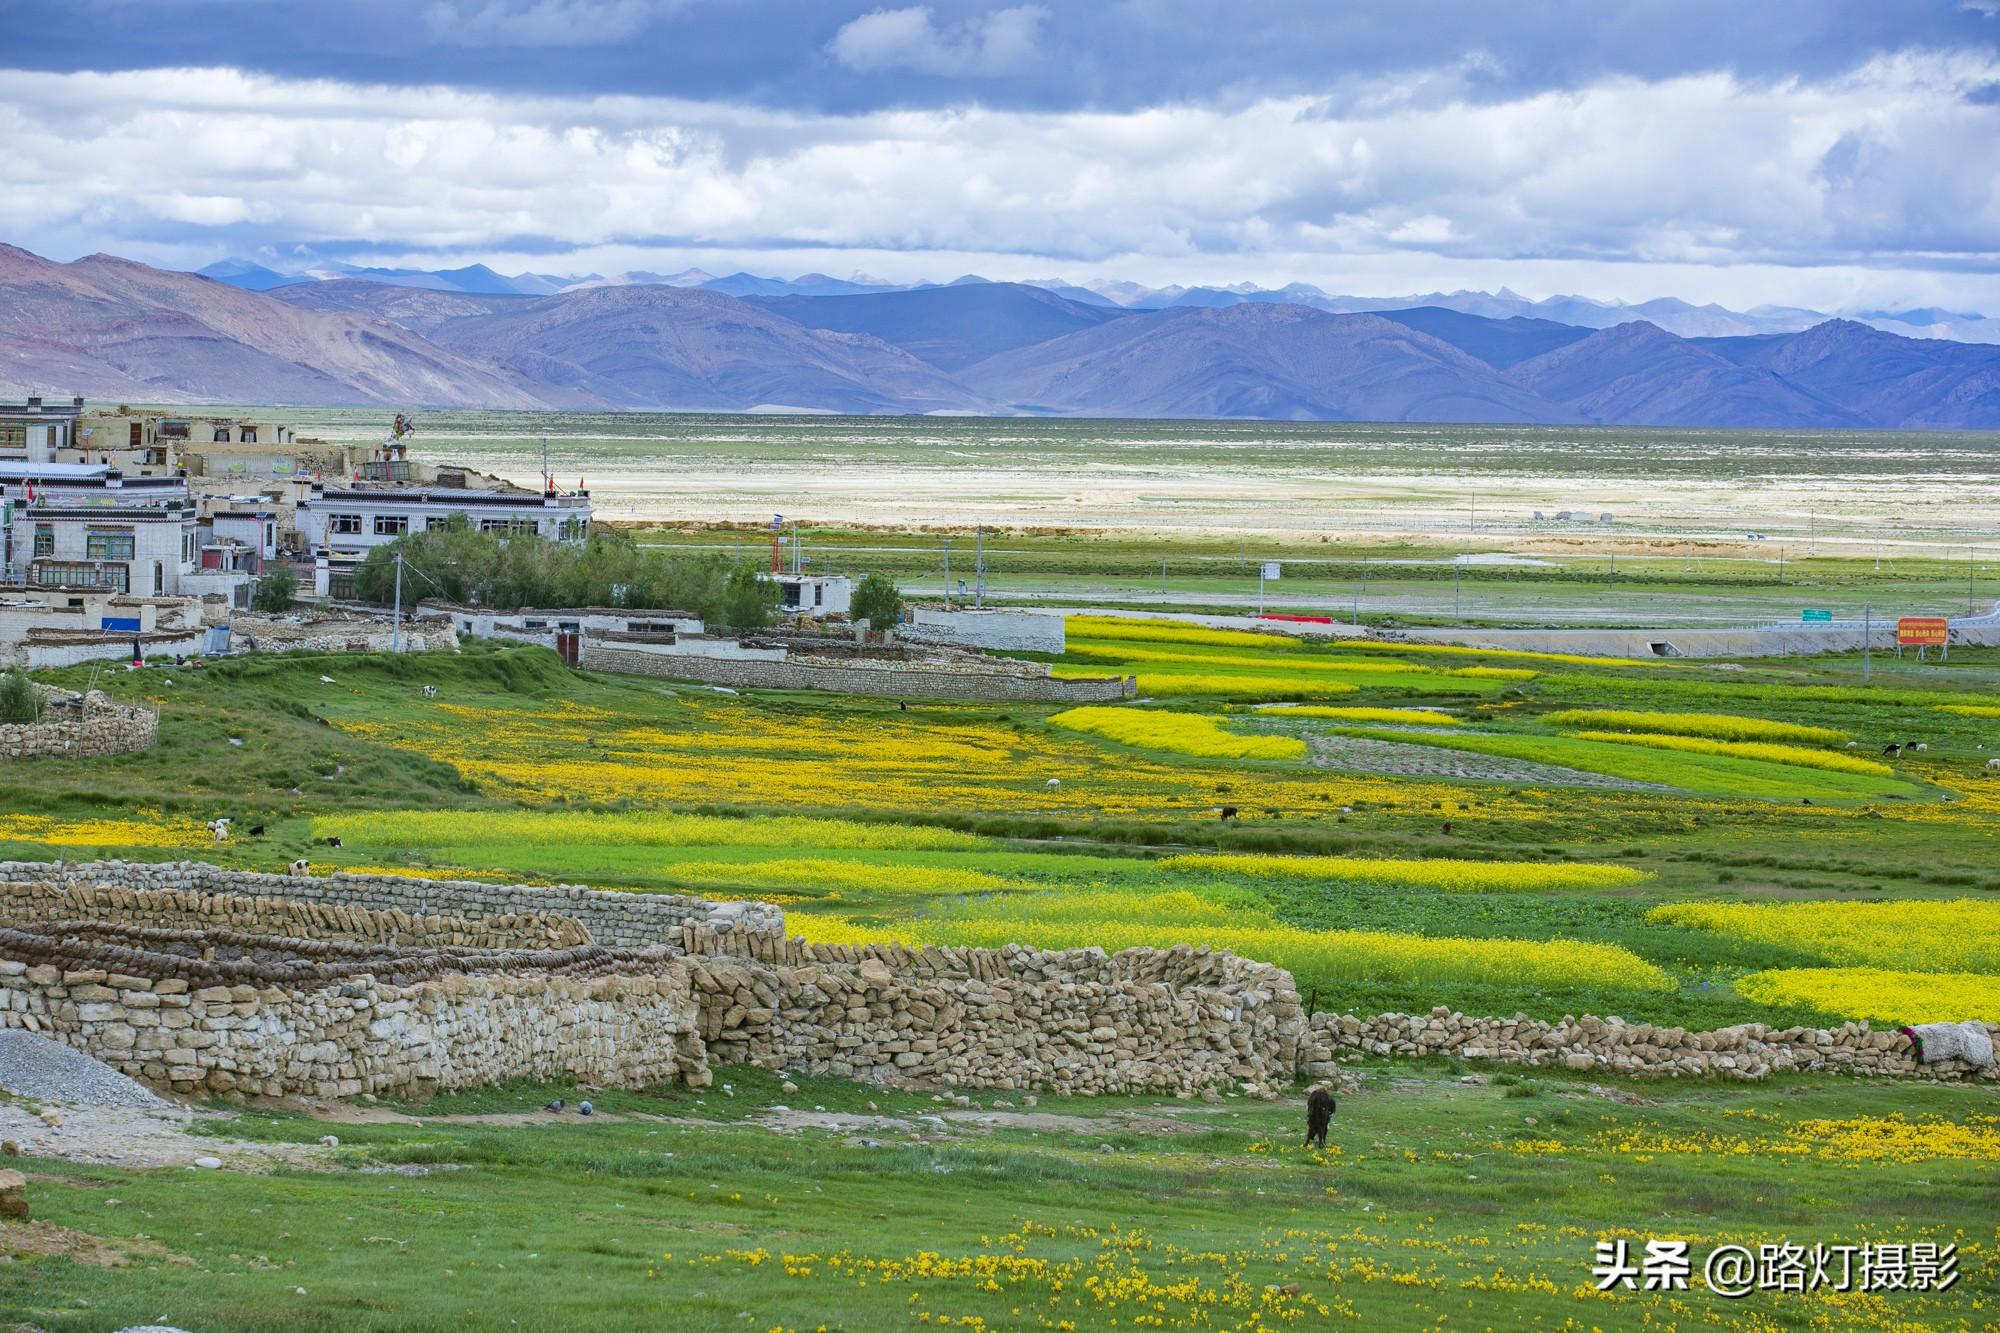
column 213, row 981
column 106, row 727
column 1076, row 1021
column 619, row 920
column 1747, row 1052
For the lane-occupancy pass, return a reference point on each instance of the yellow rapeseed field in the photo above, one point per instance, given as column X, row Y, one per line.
column 158, row 831
column 1796, row 755
column 1171, row 631
column 1182, row 733
column 1949, row 935
column 1878, row 994
column 1294, row 663
column 1970, row 710
column 1504, row 654
column 1449, row 875
column 834, row 876
column 1714, row 726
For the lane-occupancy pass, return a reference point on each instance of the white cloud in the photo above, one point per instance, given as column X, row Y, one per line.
column 538, row 22
column 1881, row 180
column 1002, row 42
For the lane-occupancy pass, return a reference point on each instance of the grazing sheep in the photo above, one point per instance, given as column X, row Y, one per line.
column 301, row 867
column 326, row 680
column 333, row 842
column 1993, row 764
column 220, row 828
column 1851, row 745
column 1319, row 1114
column 256, row 830
column 1892, row 749
column 1918, row 746
column 430, row 691
column 1052, row 784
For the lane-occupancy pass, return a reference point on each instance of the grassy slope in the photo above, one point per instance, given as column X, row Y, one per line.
column 1420, row 1214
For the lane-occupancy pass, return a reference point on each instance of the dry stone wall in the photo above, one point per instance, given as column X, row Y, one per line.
column 37, row 901
column 1749, row 1052
column 927, row 680
column 100, row 726
column 620, row 920
column 1075, row 1021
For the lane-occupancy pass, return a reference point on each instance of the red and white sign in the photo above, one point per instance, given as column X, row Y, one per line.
column 1923, row 631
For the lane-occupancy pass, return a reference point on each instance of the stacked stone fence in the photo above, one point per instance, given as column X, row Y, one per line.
column 98, row 726
column 620, row 920
column 283, row 634
column 1748, row 1052
column 920, row 680
column 40, row 902
column 1075, row 1021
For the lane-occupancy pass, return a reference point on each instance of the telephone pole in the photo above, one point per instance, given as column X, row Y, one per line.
column 396, row 633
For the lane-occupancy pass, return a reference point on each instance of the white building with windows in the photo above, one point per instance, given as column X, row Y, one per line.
column 344, row 525
column 79, row 525
column 33, row 432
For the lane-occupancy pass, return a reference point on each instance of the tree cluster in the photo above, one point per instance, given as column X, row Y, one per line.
column 458, row 563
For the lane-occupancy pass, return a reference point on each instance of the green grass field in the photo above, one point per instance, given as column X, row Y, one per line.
column 1442, row 1200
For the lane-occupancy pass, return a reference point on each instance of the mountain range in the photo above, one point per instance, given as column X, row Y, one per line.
column 1671, row 314
column 111, row 328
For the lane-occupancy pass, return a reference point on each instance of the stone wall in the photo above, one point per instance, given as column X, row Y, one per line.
column 1750, row 1051
column 1076, row 1021
column 46, row 650
column 99, row 725
column 619, row 920
column 365, row 1035
column 884, row 679
column 342, row 634
column 40, row 901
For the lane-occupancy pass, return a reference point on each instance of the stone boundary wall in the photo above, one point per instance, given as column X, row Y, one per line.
column 1749, row 1052
column 1075, row 1021
column 362, row 1035
column 41, row 902
column 921, row 681
column 106, row 727
column 279, row 634
column 618, row 920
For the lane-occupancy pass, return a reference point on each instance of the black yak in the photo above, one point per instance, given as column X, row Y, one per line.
column 1319, row 1115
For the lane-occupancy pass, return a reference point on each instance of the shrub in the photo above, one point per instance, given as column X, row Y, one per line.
column 276, row 591
column 877, row 601
column 20, row 701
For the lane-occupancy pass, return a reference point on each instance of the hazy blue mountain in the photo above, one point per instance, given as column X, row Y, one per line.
column 1071, row 292
column 1500, row 343
column 949, row 327
column 1882, row 379
column 808, row 284
column 249, row 276
column 1638, row 374
column 421, row 309
column 1276, row 361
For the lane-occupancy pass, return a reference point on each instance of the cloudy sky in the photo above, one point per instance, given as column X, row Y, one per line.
column 1842, row 154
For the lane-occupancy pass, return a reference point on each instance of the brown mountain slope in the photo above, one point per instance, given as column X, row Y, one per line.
column 108, row 327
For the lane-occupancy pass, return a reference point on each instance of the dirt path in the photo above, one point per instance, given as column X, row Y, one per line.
column 127, row 1136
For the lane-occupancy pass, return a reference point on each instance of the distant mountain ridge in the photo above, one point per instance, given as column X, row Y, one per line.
column 1669, row 313
column 110, row 328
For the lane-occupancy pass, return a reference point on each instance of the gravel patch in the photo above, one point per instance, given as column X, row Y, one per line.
column 33, row 1066
column 1362, row 754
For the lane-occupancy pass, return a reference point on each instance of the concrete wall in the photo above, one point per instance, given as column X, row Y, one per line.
column 1015, row 631
column 48, row 650
column 920, row 681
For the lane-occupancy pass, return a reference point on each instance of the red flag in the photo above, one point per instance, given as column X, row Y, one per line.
column 31, row 492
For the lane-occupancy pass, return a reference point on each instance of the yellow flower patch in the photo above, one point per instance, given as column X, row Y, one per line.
column 157, row 832
column 1714, row 726
column 1879, row 995
column 1416, row 717
column 1795, row 755
column 1450, row 875
column 1181, row 733
column 1954, row 935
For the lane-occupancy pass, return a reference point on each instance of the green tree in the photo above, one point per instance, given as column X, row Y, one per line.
column 877, row 601
column 19, row 700
column 748, row 599
column 277, row 590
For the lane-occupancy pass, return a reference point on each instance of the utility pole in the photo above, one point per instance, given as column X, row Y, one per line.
column 1260, row 588
column 1867, row 633
column 979, row 568
column 396, row 634
column 947, row 573
column 1457, row 601
column 1971, row 557
column 548, row 482
column 1163, row 578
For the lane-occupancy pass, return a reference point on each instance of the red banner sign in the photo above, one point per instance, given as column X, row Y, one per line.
column 1922, row 631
